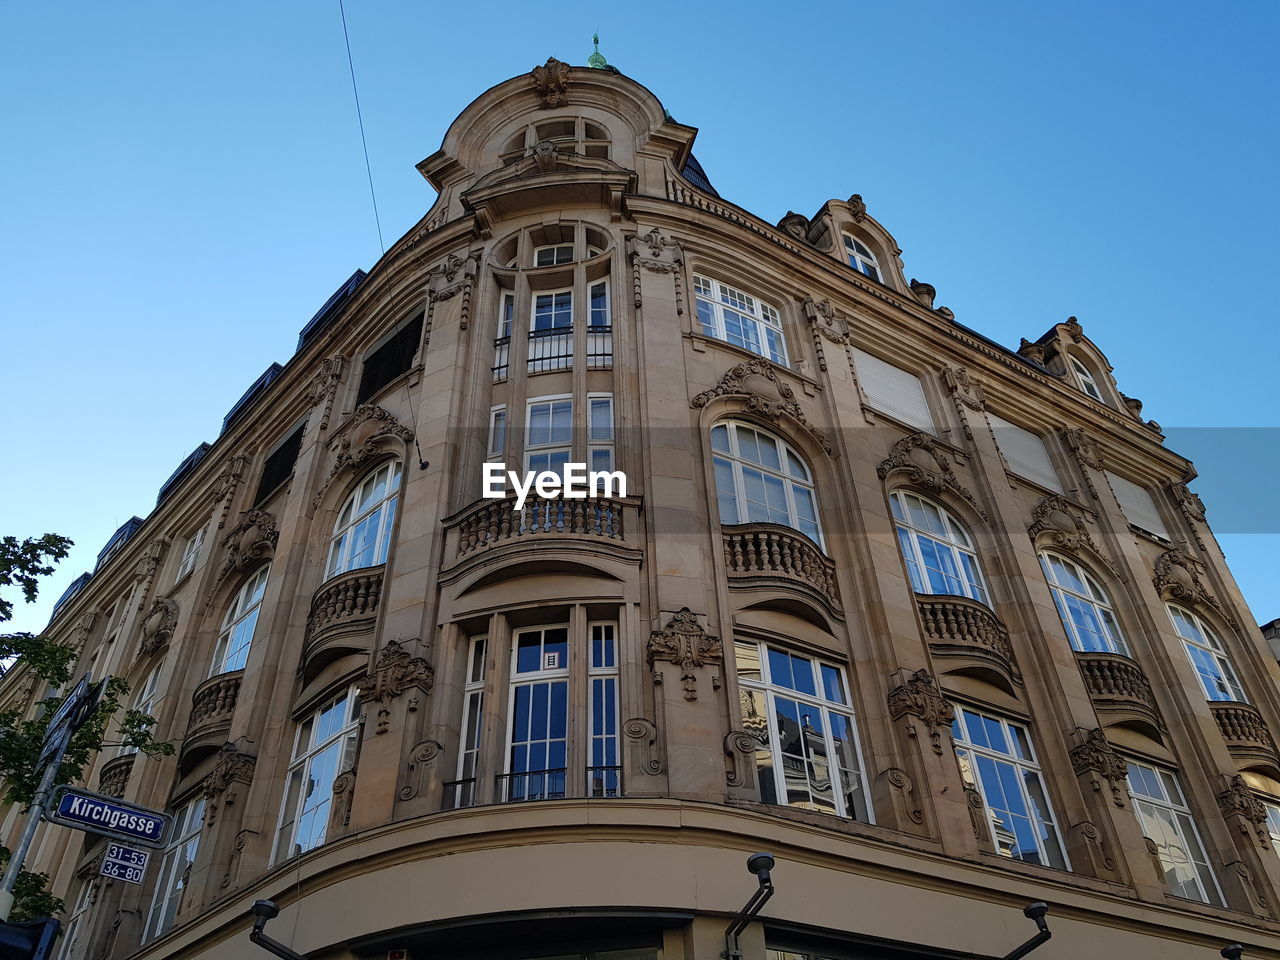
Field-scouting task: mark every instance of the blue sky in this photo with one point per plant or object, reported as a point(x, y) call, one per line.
point(184, 186)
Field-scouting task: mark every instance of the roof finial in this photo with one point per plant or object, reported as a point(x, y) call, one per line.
point(597, 59)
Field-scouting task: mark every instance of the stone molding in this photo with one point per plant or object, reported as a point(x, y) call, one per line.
point(684, 643)
point(915, 696)
point(1095, 758)
point(766, 395)
point(926, 464)
point(394, 671)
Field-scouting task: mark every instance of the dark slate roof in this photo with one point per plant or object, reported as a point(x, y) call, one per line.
point(184, 468)
point(331, 308)
point(242, 405)
point(694, 173)
point(118, 540)
point(78, 584)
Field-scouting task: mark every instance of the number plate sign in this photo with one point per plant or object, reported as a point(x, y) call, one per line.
point(124, 863)
point(82, 810)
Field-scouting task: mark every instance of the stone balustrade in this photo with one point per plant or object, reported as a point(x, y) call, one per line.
point(489, 523)
point(1244, 730)
point(767, 551)
point(1117, 684)
point(344, 602)
point(114, 778)
point(214, 701)
point(958, 626)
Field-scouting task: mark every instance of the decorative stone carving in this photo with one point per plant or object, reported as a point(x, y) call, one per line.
point(224, 487)
point(1061, 523)
point(251, 540)
point(1177, 577)
point(1074, 330)
point(394, 672)
point(324, 386)
point(657, 254)
point(362, 436)
point(420, 757)
point(1190, 503)
point(766, 395)
point(237, 851)
point(220, 786)
point(1032, 351)
point(740, 750)
point(645, 732)
point(1093, 757)
point(1084, 447)
point(145, 570)
point(978, 815)
point(926, 464)
point(825, 321)
point(158, 626)
point(857, 208)
point(1239, 805)
point(1088, 836)
point(684, 643)
point(900, 783)
point(443, 284)
point(344, 792)
point(924, 292)
point(1251, 889)
point(551, 83)
point(796, 225)
point(916, 696)
point(966, 392)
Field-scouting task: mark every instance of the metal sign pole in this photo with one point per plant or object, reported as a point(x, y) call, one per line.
point(29, 831)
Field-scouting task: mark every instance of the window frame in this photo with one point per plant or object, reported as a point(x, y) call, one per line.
point(302, 758)
point(552, 446)
point(387, 506)
point(222, 650)
point(1116, 644)
point(1163, 777)
point(471, 728)
point(144, 701)
point(971, 773)
point(737, 461)
point(541, 783)
point(861, 259)
point(84, 903)
point(958, 549)
point(1085, 379)
point(600, 445)
point(171, 882)
point(771, 689)
point(764, 317)
point(555, 248)
point(1211, 644)
point(557, 335)
point(190, 553)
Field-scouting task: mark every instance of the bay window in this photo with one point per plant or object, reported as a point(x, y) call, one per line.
point(937, 549)
point(761, 479)
point(362, 535)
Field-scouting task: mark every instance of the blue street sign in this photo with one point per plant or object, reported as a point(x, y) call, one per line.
point(124, 863)
point(83, 810)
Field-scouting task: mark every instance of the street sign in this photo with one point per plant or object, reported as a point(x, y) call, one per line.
point(124, 863)
point(75, 709)
point(55, 743)
point(95, 813)
point(69, 704)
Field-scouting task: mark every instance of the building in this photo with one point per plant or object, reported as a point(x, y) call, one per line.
point(936, 623)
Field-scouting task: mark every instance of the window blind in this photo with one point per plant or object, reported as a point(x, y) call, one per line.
point(1024, 452)
point(893, 390)
point(1139, 509)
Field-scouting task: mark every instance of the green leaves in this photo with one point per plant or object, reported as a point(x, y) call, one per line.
point(22, 563)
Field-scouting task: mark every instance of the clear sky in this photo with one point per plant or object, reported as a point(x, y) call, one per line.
point(183, 186)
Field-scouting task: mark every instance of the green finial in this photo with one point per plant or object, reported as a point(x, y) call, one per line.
point(597, 59)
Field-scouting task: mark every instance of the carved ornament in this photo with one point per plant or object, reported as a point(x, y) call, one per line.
point(796, 225)
point(656, 254)
point(1061, 523)
point(926, 464)
point(1084, 447)
point(219, 787)
point(252, 539)
point(684, 643)
point(766, 395)
point(158, 626)
point(420, 757)
point(924, 292)
point(1177, 578)
point(1094, 757)
point(857, 208)
point(225, 486)
point(324, 386)
point(740, 749)
point(361, 437)
point(898, 780)
point(1190, 503)
point(1032, 351)
point(1237, 800)
point(916, 696)
point(393, 672)
point(551, 83)
point(645, 732)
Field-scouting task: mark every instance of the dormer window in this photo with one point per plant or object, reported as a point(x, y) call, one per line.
point(861, 258)
point(570, 134)
point(553, 254)
point(1085, 379)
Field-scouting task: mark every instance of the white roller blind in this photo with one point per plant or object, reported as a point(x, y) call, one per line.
point(893, 390)
point(1024, 452)
point(1139, 509)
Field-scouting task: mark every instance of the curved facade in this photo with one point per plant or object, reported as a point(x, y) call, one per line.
point(936, 623)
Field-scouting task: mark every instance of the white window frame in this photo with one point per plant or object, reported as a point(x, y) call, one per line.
point(497, 430)
point(954, 543)
point(600, 436)
point(553, 445)
point(190, 553)
point(537, 784)
point(175, 866)
point(77, 921)
point(342, 745)
point(1021, 756)
point(604, 745)
point(1272, 807)
point(714, 298)
point(599, 335)
point(1162, 794)
point(502, 338)
point(859, 256)
point(1085, 379)
point(144, 702)
point(556, 249)
point(243, 606)
point(556, 336)
point(341, 543)
point(1210, 645)
point(1095, 600)
point(738, 463)
point(757, 652)
point(116, 617)
point(471, 732)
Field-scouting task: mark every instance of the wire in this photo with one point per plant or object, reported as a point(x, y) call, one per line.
point(360, 117)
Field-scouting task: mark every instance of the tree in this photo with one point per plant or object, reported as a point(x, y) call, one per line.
point(50, 663)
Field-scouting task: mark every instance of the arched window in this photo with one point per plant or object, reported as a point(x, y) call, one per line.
point(938, 551)
point(1085, 378)
point(861, 258)
point(760, 479)
point(1204, 649)
point(232, 650)
point(1083, 606)
point(363, 531)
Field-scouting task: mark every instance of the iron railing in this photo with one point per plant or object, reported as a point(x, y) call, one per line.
point(550, 349)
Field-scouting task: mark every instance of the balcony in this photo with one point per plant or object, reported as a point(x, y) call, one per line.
point(212, 707)
point(114, 778)
point(1118, 687)
point(770, 553)
point(535, 785)
point(487, 527)
point(1245, 732)
point(345, 605)
point(966, 630)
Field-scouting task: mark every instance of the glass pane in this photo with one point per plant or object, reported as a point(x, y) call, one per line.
point(747, 657)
